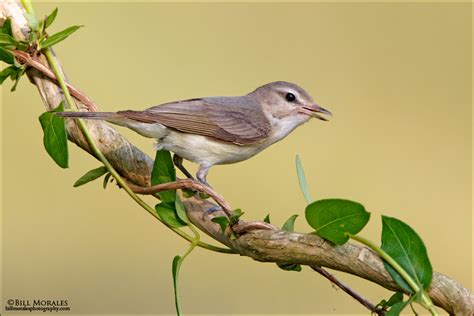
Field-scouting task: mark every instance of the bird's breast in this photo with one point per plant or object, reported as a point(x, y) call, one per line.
point(206, 151)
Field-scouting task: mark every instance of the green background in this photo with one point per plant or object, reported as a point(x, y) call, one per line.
point(396, 76)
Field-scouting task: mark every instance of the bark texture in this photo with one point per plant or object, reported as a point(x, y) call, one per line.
point(261, 245)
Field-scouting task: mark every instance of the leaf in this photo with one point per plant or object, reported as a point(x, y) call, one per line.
point(168, 214)
point(395, 298)
point(90, 176)
point(55, 136)
point(237, 214)
point(302, 180)
point(404, 245)
point(333, 219)
point(7, 27)
point(267, 219)
point(32, 21)
point(203, 196)
point(188, 193)
point(289, 225)
point(223, 221)
point(181, 210)
point(16, 77)
point(58, 37)
point(6, 39)
point(177, 260)
point(106, 180)
point(7, 72)
point(289, 267)
point(50, 18)
point(6, 56)
point(163, 172)
point(396, 309)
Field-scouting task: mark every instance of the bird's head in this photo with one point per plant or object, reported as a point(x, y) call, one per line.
point(282, 99)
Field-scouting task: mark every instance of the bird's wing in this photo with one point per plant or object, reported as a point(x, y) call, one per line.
point(238, 120)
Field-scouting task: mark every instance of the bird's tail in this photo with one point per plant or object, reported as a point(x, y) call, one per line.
point(90, 115)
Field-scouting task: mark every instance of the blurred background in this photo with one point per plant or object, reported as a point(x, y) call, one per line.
point(397, 77)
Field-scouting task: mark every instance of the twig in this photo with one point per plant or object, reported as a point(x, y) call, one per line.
point(25, 59)
point(185, 184)
point(348, 290)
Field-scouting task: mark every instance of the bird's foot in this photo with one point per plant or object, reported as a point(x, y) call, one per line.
point(213, 209)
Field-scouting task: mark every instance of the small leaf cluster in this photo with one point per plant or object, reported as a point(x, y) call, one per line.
point(224, 221)
point(38, 39)
point(7, 44)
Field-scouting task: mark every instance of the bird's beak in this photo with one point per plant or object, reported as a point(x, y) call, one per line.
point(313, 110)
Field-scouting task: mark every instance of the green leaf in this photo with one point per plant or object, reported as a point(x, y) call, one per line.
point(7, 72)
point(177, 260)
point(6, 39)
point(396, 309)
point(289, 225)
point(267, 219)
point(333, 219)
point(395, 298)
point(181, 210)
point(55, 136)
point(32, 20)
point(50, 18)
point(106, 180)
point(16, 77)
point(167, 213)
point(223, 221)
point(289, 267)
point(6, 56)
point(163, 172)
point(302, 180)
point(188, 193)
point(90, 176)
point(58, 37)
point(203, 196)
point(237, 213)
point(404, 245)
point(7, 27)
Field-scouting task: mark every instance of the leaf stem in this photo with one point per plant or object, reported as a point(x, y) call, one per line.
point(97, 152)
point(193, 245)
point(425, 299)
point(28, 7)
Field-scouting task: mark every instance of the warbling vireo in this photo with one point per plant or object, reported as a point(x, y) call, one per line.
point(219, 130)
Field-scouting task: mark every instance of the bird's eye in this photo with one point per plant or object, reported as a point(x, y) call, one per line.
point(290, 97)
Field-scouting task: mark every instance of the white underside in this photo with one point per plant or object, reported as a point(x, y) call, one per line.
point(208, 152)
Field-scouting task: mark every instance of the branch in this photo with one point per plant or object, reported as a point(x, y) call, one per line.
point(264, 245)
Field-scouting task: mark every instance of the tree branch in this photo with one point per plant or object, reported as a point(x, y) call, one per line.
point(264, 245)
point(371, 307)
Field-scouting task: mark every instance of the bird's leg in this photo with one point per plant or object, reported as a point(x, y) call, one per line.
point(202, 174)
point(178, 162)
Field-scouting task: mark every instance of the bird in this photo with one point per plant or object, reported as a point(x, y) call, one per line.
point(219, 130)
